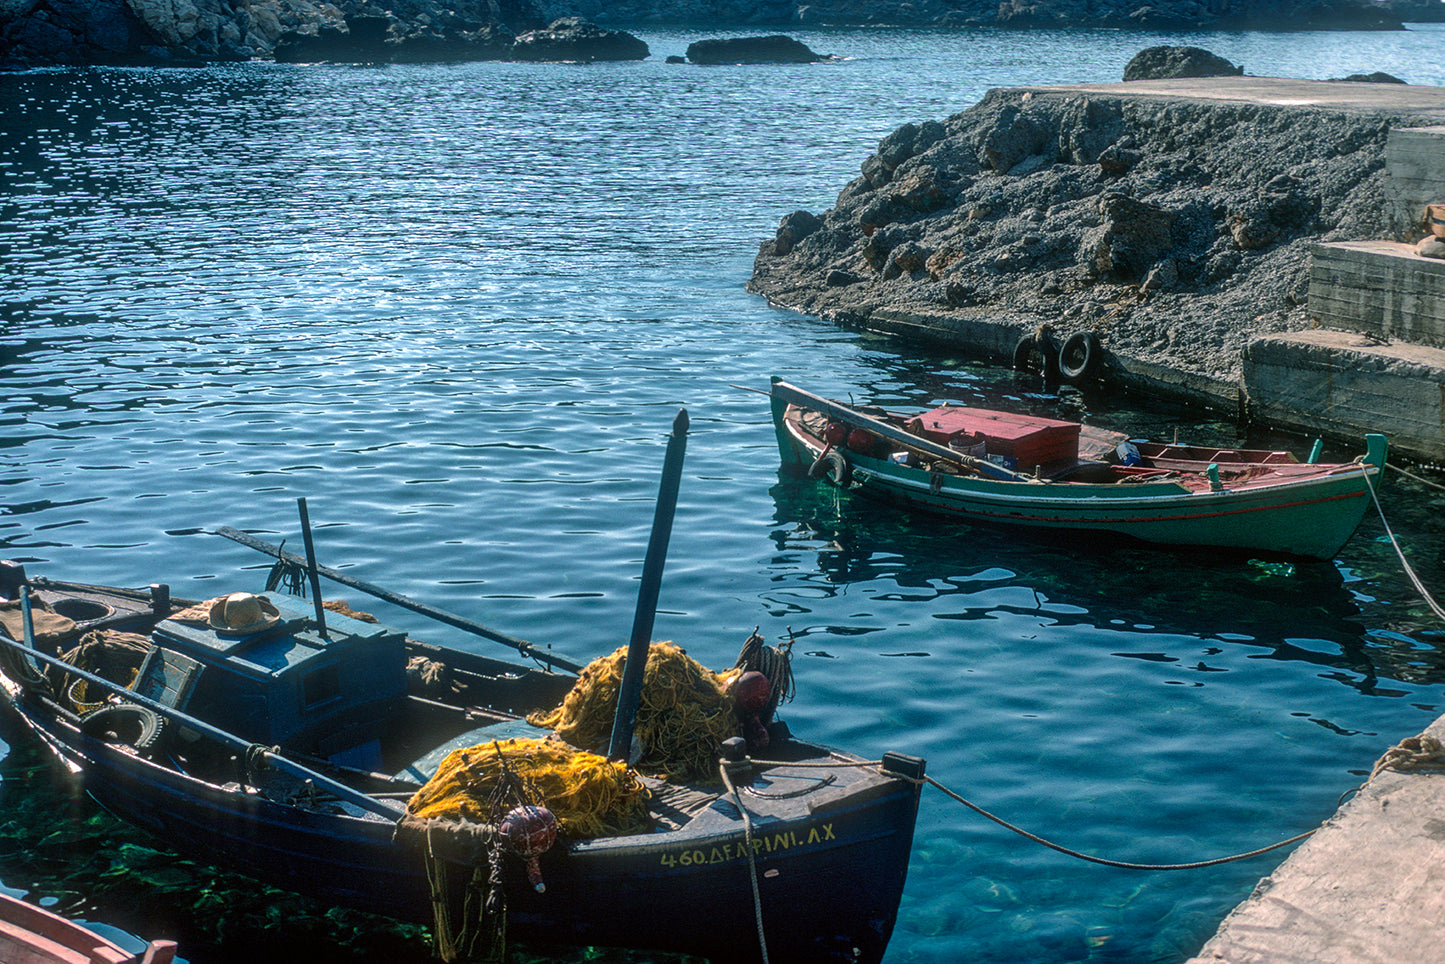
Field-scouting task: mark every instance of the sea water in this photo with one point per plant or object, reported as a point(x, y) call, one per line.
point(456, 307)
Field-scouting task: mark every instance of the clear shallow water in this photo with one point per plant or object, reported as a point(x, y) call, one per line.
point(456, 308)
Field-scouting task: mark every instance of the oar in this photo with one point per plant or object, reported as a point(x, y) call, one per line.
point(791, 393)
point(396, 599)
point(322, 781)
point(629, 693)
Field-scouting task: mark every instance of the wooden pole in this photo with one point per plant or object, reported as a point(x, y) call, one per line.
point(311, 568)
point(629, 693)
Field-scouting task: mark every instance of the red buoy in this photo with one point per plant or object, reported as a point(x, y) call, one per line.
point(752, 692)
point(862, 442)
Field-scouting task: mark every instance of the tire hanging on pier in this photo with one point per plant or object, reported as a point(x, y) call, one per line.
point(1079, 357)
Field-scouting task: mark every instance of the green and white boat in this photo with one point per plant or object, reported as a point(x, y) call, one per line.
point(1002, 468)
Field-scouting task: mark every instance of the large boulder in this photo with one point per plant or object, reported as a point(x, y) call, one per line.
point(1161, 63)
point(575, 39)
point(776, 49)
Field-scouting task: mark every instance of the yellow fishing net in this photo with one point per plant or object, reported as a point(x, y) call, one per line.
point(682, 720)
point(589, 795)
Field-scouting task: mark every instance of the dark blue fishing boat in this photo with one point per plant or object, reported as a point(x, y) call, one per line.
point(285, 741)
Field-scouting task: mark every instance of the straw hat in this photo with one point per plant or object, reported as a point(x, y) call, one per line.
point(241, 613)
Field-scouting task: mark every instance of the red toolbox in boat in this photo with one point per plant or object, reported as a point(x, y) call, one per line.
point(1021, 442)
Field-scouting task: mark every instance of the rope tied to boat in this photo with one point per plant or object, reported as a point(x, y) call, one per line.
point(723, 770)
point(1126, 865)
point(1395, 544)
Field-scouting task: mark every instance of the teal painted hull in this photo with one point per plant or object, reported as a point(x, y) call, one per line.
point(1301, 510)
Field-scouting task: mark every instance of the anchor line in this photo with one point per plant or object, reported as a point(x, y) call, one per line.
point(1395, 544)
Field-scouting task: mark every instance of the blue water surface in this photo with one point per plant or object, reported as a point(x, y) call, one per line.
point(456, 308)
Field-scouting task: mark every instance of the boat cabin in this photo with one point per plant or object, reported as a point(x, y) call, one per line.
point(285, 685)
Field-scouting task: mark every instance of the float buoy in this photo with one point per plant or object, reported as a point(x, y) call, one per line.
point(529, 831)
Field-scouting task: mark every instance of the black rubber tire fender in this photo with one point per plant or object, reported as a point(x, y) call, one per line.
point(1022, 351)
point(128, 724)
point(1079, 357)
point(833, 466)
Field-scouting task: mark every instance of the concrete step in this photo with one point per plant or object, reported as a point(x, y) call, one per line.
point(1342, 384)
point(1382, 288)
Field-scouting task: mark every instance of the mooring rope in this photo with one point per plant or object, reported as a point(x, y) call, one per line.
point(1409, 572)
point(752, 860)
point(1126, 865)
point(1418, 478)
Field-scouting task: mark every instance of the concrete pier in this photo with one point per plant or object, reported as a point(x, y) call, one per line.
point(1367, 888)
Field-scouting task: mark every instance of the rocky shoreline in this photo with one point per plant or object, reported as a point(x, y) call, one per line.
point(187, 32)
point(1172, 228)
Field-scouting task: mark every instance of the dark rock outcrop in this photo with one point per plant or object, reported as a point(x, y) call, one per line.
point(1157, 63)
point(146, 32)
point(42, 32)
point(776, 49)
point(575, 39)
point(1201, 14)
point(1175, 227)
point(380, 40)
point(1378, 77)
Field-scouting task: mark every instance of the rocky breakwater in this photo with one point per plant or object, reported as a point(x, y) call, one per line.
point(1171, 220)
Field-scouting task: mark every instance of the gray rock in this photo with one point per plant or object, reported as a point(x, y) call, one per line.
point(575, 39)
point(776, 49)
point(1158, 63)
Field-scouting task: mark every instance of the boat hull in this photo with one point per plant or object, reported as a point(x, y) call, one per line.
point(1310, 514)
point(687, 892)
point(829, 861)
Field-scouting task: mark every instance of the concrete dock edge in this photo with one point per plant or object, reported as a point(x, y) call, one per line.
point(1368, 887)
